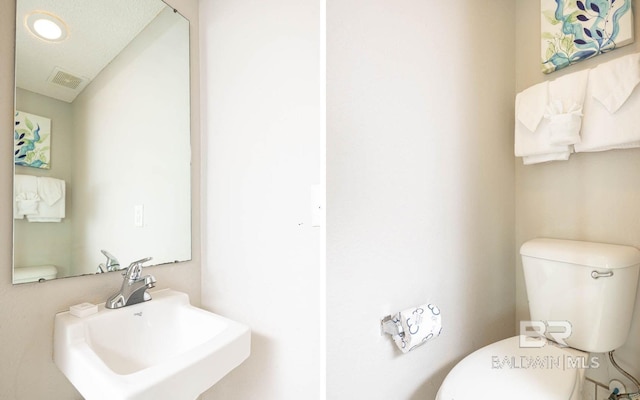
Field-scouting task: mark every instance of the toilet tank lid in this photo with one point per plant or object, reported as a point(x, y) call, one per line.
point(589, 254)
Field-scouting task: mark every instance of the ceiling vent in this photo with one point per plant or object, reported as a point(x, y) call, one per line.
point(66, 79)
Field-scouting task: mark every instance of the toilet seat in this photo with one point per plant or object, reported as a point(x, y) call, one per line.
point(34, 274)
point(505, 370)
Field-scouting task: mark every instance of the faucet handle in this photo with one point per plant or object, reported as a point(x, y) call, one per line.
point(112, 263)
point(143, 260)
point(135, 268)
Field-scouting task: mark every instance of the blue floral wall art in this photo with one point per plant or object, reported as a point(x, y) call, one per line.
point(574, 30)
point(32, 140)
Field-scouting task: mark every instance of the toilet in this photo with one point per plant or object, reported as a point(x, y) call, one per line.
point(34, 274)
point(581, 290)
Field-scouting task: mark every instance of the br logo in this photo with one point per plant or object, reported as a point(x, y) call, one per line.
point(535, 333)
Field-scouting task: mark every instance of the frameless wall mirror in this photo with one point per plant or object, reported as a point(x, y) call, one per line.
point(102, 136)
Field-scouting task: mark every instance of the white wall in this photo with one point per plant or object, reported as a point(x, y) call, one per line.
point(261, 124)
point(420, 186)
point(27, 371)
point(142, 157)
point(593, 196)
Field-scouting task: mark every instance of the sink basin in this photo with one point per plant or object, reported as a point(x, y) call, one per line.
point(160, 349)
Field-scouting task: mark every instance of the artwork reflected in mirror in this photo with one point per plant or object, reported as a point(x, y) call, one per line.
point(102, 136)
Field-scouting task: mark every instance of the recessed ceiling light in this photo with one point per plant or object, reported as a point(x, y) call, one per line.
point(46, 26)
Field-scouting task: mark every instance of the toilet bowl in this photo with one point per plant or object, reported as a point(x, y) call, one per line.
point(34, 274)
point(505, 370)
point(583, 286)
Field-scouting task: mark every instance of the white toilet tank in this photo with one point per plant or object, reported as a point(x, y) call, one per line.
point(590, 285)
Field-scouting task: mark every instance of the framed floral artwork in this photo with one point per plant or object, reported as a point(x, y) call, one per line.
point(32, 140)
point(574, 30)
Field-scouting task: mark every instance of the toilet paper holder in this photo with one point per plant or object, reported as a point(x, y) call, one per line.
point(391, 327)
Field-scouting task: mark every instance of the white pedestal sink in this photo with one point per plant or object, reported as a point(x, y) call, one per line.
point(160, 349)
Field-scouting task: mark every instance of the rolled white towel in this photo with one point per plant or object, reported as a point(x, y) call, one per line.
point(565, 121)
point(27, 203)
point(552, 139)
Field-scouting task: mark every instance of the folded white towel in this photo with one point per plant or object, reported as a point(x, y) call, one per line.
point(51, 213)
point(601, 129)
point(613, 82)
point(25, 192)
point(35, 218)
point(50, 189)
point(25, 183)
point(541, 158)
point(569, 89)
point(531, 104)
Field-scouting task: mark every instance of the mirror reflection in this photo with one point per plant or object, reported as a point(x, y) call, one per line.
point(102, 136)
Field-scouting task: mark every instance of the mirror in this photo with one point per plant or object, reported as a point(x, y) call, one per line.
point(102, 136)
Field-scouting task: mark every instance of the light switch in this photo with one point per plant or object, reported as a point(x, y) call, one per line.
point(138, 215)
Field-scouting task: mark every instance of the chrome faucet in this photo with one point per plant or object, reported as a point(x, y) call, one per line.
point(112, 263)
point(134, 287)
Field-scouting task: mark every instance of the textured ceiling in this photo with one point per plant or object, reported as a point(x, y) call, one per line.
point(98, 31)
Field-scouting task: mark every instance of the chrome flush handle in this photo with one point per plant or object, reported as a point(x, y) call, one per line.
point(596, 274)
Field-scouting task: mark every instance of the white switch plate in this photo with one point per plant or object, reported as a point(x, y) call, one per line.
point(138, 215)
